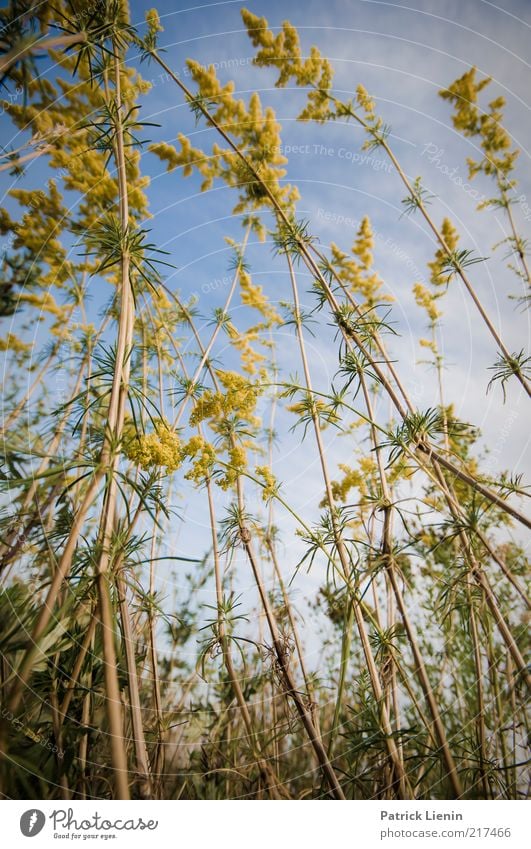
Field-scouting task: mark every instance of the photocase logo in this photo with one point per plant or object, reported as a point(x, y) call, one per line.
point(32, 822)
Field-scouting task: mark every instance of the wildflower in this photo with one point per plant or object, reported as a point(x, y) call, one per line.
point(162, 447)
point(253, 296)
point(352, 478)
point(153, 21)
point(494, 141)
point(204, 456)
point(451, 238)
point(357, 273)
point(256, 133)
point(426, 300)
point(284, 52)
point(237, 461)
point(239, 399)
point(427, 343)
point(365, 101)
point(13, 343)
point(268, 480)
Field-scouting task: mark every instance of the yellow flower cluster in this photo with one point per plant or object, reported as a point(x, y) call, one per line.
point(430, 344)
point(364, 243)
point(365, 101)
point(14, 344)
point(59, 115)
point(153, 21)
point(357, 275)
point(364, 478)
point(236, 465)
point(494, 140)
point(239, 400)
point(463, 94)
point(39, 230)
point(162, 447)
point(323, 411)
point(352, 478)
point(204, 454)
point(256, 133)
point(451, 237)
point(253, 296)
point(270, 485)
point(283, 51)
point(45, 302)
point(425, 299)
point(250, 357)
point(72, 105)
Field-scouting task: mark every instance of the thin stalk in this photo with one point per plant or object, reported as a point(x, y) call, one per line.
point(289, 682)
point(517, 240)
point(387, 552)
point(272, 780)
point(346, 566)
point(480, 704)
point(481, 579)
point(142, 760)
point(153, 655)
point(268, 772)
point(110, 459)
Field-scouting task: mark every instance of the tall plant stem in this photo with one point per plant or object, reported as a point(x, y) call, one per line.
point(390, 565)
point(269, 541)
point(347, 568)
point(271, 779)
point(517, 240)
point(159, 759)
point(142, 760)
point(110, 459)
point(280, 656)
point(481, 579)
point(480, 696)
point(292, 621)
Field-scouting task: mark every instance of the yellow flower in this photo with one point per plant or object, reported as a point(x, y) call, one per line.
point(451, 237)
point(13, 343)
point(161, 448)
point(204, 456)
point(426, 300)
point(365, 101)
point(270, 485)
point(239, 399)
point(153, 21)
point(253, 296)
point(283, 52)
point(495, 142)
point(236, 465)
point(357, 273)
